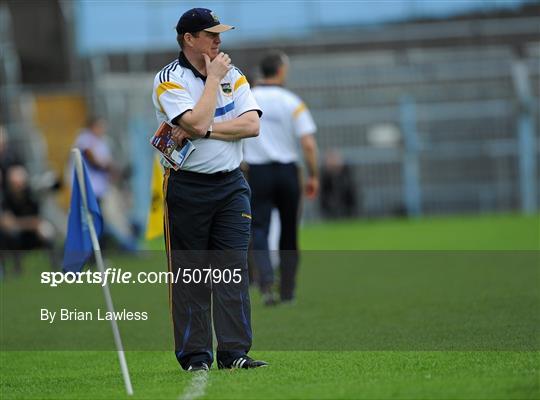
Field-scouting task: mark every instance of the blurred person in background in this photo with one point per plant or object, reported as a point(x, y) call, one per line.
point(97, 154)
point(274, 176)
point(338, 192)
point(8, 158)
point(102, 172)
point(21, 226)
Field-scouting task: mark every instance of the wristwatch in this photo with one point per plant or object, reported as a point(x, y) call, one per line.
point(208, 132)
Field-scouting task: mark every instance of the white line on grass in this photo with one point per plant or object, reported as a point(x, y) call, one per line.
point(196, 387)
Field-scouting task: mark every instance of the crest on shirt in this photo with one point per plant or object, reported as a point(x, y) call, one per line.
point(226, 88)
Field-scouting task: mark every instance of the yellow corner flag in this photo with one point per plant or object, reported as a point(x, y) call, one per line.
point(154, 225)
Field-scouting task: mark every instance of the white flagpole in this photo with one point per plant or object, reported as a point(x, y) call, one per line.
point(101, 268)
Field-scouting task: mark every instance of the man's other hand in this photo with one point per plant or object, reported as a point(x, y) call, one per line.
point(311, 187)
point(179, 135)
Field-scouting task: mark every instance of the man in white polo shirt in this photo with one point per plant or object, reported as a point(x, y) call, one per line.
point(207, 207)
point(273, 173)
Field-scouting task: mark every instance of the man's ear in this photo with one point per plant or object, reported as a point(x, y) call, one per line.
point(188, 39)
point(282, 72)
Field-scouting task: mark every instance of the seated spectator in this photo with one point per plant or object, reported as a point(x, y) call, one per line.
point(8, 158)
point(338, 191)
point(21, 227)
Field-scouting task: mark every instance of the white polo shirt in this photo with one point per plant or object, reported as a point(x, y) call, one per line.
point(179, 86)
point(285, 119)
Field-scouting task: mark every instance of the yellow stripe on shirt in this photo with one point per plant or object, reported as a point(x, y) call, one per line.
point(298, 110)
point(239, 82)
point(163, 87)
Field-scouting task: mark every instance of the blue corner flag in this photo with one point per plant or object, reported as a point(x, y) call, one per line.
point(78, 247)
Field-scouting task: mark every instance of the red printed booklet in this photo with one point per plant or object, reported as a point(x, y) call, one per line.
point(175, 154)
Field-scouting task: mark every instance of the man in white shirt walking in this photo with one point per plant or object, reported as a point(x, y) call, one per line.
point(274, 175)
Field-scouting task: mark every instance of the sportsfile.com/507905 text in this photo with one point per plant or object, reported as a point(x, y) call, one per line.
point(116, 275)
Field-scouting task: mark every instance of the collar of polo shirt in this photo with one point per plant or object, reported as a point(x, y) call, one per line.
point(184, 62)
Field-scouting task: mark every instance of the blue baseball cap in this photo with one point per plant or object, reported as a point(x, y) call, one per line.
point(200, 19)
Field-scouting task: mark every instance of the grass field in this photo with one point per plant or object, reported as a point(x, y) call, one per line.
point(435, 320)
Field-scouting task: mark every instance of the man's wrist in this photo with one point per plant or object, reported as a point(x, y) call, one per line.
point(214, 80)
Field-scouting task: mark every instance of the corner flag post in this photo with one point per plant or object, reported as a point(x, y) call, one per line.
point(101, 268)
